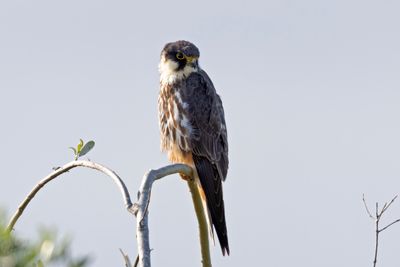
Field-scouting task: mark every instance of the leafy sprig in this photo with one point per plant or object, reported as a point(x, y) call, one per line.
point(82, 149)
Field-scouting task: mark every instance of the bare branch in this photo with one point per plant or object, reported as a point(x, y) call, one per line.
point(57, 172)
point(378, 217)
point(385, 207)
point(136, 264)
point(140, 209)
point(126, 259)
point(366, 208)
point(376, 242)
point(390, 224)
point(142, 230)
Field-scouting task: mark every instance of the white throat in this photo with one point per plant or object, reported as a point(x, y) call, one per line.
point(169, 73)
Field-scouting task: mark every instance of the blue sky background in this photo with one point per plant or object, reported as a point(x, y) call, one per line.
point(311, 91)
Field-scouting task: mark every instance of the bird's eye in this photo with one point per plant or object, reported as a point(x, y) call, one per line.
point(179, 56)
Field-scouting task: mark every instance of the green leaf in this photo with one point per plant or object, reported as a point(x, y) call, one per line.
point(83, 261)
point(86, 148)
point(79, 147)
point(73, 149)
point(18, 252)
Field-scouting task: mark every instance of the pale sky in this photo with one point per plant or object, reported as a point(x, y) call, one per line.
point(311, 91)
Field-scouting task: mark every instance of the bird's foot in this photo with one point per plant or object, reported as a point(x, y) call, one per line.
point(186, 178)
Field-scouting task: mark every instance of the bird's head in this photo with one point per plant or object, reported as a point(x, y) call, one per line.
point(178, 60)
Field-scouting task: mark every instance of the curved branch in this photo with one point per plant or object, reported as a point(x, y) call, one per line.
point(141, 209)
point(57, 172)
point(203, 224)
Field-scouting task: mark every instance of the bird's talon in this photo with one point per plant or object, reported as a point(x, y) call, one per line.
point(186, 178)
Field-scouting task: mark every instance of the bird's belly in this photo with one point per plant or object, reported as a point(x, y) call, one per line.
point(177, 155)
point(174, 125)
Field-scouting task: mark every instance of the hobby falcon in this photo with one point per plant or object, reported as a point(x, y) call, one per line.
point(193, 129)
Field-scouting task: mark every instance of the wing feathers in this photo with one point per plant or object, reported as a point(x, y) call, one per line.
point(208, 144)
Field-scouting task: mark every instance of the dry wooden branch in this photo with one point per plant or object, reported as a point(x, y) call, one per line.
point(141, 208)
point(57, 172)
point(377, 219)
point(126, 258)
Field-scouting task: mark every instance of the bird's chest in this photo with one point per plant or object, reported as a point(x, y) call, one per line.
point(174, 119)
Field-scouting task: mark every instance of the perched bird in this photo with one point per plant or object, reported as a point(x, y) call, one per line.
point(193, 130)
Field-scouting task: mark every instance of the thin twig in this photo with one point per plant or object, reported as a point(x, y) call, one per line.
point(377, 219)
point(366, 208)
point(136, 264)
point(385, 207)
point(57, 172)
point(376, 240)
point(390, 224)
point(126, 259)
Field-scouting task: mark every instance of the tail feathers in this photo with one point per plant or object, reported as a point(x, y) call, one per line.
point(223, 240)
point(211, 184)
point(225, 247)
